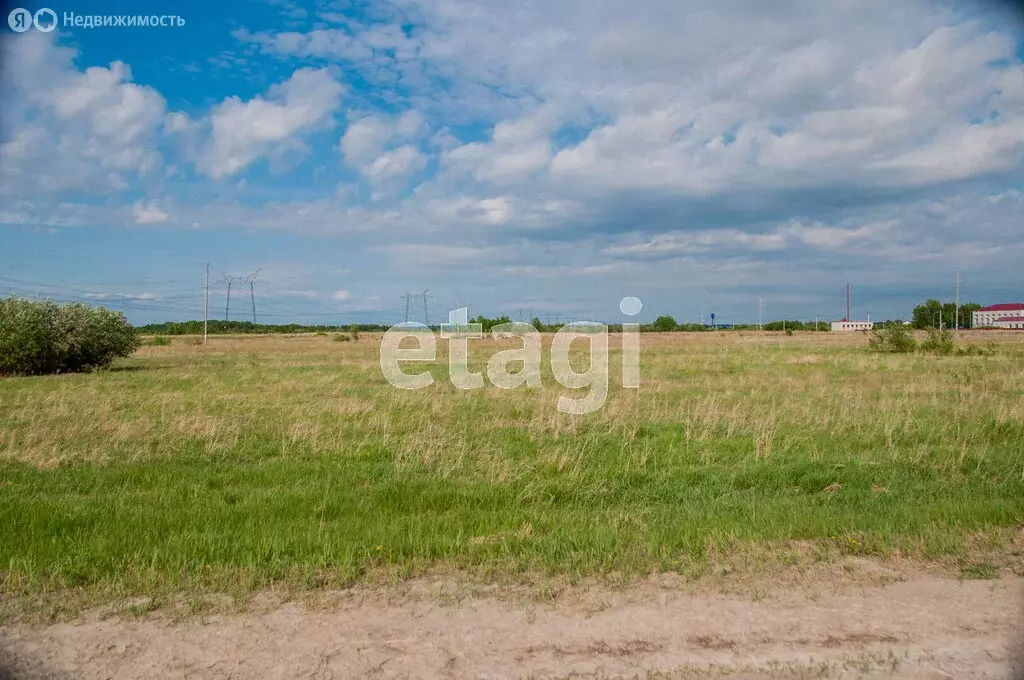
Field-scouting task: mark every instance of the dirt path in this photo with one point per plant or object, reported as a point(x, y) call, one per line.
point(925, 627)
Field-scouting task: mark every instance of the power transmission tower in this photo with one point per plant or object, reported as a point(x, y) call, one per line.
point(408, 298)
point(227, 305)
point(250, 278)
point(760, 313)
point(252, 295)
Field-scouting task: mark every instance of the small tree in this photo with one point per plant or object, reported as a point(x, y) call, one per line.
point(664, 324)
point(353, 330)
point(928, 315)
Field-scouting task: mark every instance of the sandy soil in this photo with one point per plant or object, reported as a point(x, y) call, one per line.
point(923, 627)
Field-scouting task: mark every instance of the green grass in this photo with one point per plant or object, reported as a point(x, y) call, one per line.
point(263, 461)
point(982, 571)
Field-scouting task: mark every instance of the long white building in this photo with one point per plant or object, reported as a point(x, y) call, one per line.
point(852, 325)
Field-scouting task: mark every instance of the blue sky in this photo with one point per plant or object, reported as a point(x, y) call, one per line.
point(547, 157)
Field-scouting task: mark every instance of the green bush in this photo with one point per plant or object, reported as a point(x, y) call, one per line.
point(664, 324)
point(976, 350)
point(938, 342)
point(159, 341)
point(893, 339)
point(41, 337)
point(341, 337)
point(353, 330)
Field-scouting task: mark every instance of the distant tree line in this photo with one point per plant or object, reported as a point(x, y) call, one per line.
point(248, 328)
point(488, 324)
point(928, 315)
point(667, 324)
point(935, 314)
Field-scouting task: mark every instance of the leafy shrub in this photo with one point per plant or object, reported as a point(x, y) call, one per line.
point(976, 350)
point(938, 342)
point(321, 334)
point(341, 337)
point(789, 331)
point(353, 330)
point(41, 337)
point(893, 339)
point(159, 341)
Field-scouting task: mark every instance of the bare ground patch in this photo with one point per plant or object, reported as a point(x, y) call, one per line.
point(924, 626)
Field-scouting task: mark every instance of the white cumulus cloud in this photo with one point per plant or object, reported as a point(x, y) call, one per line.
point(245, 131)
point(148, 213)
point(66, 129)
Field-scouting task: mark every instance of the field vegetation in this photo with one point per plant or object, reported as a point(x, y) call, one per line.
point(289, 462)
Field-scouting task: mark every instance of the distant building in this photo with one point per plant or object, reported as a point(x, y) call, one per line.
point(852, 325)
point(1000, 316)
point(1010, 322)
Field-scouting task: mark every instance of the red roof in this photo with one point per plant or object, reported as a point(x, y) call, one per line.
point(1010, 307)
point(1011, 318)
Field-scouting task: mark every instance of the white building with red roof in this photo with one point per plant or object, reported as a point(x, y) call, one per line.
point(1010, 315)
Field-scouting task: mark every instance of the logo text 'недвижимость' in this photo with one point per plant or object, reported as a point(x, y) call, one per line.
point(45, 20)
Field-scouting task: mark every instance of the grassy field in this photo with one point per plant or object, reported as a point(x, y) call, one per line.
point(290, 461)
